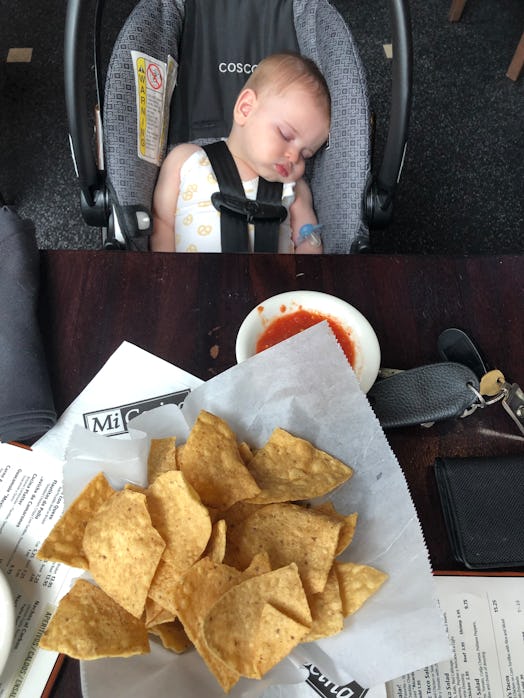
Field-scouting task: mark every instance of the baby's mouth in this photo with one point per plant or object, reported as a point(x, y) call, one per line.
point(282, 170)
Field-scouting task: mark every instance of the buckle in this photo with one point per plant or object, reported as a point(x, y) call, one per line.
point(251, 210)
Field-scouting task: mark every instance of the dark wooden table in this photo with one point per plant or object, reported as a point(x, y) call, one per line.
point(180, 306)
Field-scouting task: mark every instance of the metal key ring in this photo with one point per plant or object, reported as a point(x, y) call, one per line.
point(482, 402)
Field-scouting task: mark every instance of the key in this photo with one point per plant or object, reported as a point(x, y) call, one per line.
point(513, 403)
point(388, 372)
point(492, 383)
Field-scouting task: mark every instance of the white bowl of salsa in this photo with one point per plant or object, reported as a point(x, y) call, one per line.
point(286, 314)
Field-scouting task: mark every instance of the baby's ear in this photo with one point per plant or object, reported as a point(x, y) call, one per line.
point(243, 106)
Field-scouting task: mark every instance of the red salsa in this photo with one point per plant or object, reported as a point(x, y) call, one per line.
point(288, 325)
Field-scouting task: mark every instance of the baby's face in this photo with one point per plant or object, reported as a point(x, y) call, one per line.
point(283, 131)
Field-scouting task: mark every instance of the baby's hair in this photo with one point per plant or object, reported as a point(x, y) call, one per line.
point(281, 70)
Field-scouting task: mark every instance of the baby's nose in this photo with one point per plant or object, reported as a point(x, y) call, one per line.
point(293, 155)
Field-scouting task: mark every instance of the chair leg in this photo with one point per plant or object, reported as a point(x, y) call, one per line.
point(517, 62)
point(456, 10)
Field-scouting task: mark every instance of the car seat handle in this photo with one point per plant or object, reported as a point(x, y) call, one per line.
point(94, 200)
point(380, 190)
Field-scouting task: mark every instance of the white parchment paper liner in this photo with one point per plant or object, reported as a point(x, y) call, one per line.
point(306, 386)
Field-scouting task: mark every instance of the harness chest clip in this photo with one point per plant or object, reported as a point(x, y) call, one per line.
point(249, 209)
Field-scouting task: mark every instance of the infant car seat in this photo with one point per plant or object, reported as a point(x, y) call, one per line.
point(208, 48)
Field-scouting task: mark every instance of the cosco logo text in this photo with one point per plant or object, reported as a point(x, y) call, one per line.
point(246, 68)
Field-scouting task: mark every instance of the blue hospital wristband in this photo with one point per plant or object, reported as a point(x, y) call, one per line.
point(311, 233)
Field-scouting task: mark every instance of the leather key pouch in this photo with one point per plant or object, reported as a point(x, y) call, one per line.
point(430, 393)
point(483, 504)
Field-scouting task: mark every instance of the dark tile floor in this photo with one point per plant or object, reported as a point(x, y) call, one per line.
point(462, 183)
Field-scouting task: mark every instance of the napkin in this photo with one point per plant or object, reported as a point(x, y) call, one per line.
point(26, 401)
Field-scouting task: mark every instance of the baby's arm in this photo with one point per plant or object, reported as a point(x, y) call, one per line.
point(165, 198)
point(301, 212)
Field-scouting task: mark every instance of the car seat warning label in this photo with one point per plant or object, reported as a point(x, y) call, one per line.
point(155, 82)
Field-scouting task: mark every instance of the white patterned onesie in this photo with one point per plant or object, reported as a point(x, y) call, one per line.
point(197, 221)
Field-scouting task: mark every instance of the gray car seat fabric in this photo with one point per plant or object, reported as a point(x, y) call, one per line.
point(154, 28)
point(337, 175)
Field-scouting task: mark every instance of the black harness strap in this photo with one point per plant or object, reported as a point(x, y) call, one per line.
point(233, 225)
point(236, 210)
point(267, 230)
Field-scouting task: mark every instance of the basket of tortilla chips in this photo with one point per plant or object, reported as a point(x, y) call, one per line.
point(221, 552)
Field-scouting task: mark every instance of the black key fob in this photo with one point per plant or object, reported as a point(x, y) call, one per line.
point(455, 345)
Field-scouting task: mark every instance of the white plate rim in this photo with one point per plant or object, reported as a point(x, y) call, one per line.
point(362, 334)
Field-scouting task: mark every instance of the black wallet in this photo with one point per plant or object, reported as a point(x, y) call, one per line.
point(483, 504)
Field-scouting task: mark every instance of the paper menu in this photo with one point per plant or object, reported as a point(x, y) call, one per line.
point(484, 618)
point(30, 505)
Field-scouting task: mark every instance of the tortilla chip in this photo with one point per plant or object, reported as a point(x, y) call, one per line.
point(288, 533)
point(88, 624)
point(245, 451)
point(212, 463)
point(277, 635)
point(123, 549)
point(64, 542)
point(135, 488)
point(197, 592)
point(173, 636)
point(357, 584)
point(161, 458)
point(326, 610)
point(155, 614)
point(348, 528)
point(163, 586)
point(260, 564)
point(180, 517)
point(288, 468)
point(240, 511)
point(259, 621)
point(216, 548)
